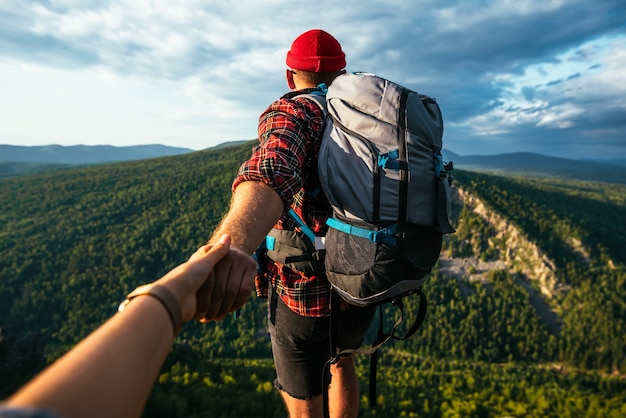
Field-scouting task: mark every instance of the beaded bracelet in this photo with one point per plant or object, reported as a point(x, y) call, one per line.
point(164, 296)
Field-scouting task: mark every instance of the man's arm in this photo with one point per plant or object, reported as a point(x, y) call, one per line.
point(255, 207)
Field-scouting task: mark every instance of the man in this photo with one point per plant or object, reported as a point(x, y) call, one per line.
point(282, 174)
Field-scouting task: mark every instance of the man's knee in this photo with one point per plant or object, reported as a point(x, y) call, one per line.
point(302, 407)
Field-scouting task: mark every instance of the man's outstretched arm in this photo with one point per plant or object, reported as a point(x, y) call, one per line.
point(255, 207)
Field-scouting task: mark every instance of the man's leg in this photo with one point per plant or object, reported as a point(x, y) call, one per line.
point(300, 348)
point(300, 408)
point(343, 395)
point(343, 392)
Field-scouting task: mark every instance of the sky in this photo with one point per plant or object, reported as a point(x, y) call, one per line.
point(542, 76)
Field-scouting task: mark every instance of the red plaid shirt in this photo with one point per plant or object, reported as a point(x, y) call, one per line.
point(290, 133)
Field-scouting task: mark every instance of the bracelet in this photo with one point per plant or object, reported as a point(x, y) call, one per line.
point(164, 296)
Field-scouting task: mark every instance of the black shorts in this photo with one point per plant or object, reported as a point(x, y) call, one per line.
point(301, 347)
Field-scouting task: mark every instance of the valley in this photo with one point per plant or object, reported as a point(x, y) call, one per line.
point(534, 276)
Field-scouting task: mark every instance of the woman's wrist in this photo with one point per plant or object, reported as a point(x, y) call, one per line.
point(165, 297)
point(179, 283)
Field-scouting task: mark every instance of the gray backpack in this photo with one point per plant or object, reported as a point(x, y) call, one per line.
point(380, 166)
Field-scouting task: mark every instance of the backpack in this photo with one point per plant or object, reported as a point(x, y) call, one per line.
point(381, 168)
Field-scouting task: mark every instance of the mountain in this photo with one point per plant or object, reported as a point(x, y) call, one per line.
point(20, 160)
point(525, 309)
point(611, 161)
point(231, 143)
point(84, 154)
point(541, 165)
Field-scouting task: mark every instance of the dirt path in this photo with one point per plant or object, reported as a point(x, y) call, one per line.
point(472, 268)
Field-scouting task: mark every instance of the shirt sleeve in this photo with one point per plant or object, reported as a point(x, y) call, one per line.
point(284, 136)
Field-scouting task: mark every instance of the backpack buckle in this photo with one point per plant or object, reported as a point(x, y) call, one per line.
point(389, 160)
point(385, 236)
point(443, 169)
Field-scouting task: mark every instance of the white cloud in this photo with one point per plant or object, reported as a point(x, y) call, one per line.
point(464, 16)
point(567, 86)
point(198, 72)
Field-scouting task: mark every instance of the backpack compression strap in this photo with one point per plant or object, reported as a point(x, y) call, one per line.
point(386, 235)
point(403, 160)
point(443, 174)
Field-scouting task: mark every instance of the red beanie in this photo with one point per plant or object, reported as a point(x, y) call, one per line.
point(316, 51)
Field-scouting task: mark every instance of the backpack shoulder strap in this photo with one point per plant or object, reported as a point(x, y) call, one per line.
point(318, 96)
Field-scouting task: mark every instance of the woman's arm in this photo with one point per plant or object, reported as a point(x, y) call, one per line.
point(111, 372)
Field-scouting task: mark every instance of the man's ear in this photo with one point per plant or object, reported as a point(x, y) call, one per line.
point(290, 82)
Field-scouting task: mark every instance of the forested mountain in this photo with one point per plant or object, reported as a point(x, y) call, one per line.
point(18, 160)
point(526, 312)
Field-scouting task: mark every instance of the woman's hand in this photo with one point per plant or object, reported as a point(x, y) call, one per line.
point(215, 281)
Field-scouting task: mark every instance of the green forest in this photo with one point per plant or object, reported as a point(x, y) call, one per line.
point(75, 241)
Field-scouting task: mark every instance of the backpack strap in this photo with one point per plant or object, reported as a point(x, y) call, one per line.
point(404, 169)
point(386, 235)
point(383, 338)
point(443, 174)
point(303, 226)
point(318, 96)
point(373, 350)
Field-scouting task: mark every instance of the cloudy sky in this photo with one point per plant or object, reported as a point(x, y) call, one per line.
point(545, 76)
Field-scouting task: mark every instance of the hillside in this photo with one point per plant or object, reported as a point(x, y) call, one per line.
point(526, 309)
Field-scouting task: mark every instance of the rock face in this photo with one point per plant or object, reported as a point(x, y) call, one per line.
point(516, 252)
point(512, 251)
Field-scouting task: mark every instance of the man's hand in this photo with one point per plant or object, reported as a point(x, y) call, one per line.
point(228, 288)
point(216, 280)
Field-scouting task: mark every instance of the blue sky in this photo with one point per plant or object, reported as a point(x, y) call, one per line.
point(545, 76)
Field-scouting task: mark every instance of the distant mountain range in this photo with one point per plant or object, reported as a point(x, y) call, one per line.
point(84, 154)
point(16, 160)
point(537, 164)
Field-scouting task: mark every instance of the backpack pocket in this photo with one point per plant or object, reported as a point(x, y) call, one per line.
point(294, 250)
point(365, 272)
point(421, 245)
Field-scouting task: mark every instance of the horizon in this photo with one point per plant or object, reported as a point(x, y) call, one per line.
point(444, 150)
point(530, 76)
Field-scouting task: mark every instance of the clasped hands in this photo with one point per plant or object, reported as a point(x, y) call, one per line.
point(215, 281)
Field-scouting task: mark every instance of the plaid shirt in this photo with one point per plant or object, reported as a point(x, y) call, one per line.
point(290, 132)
